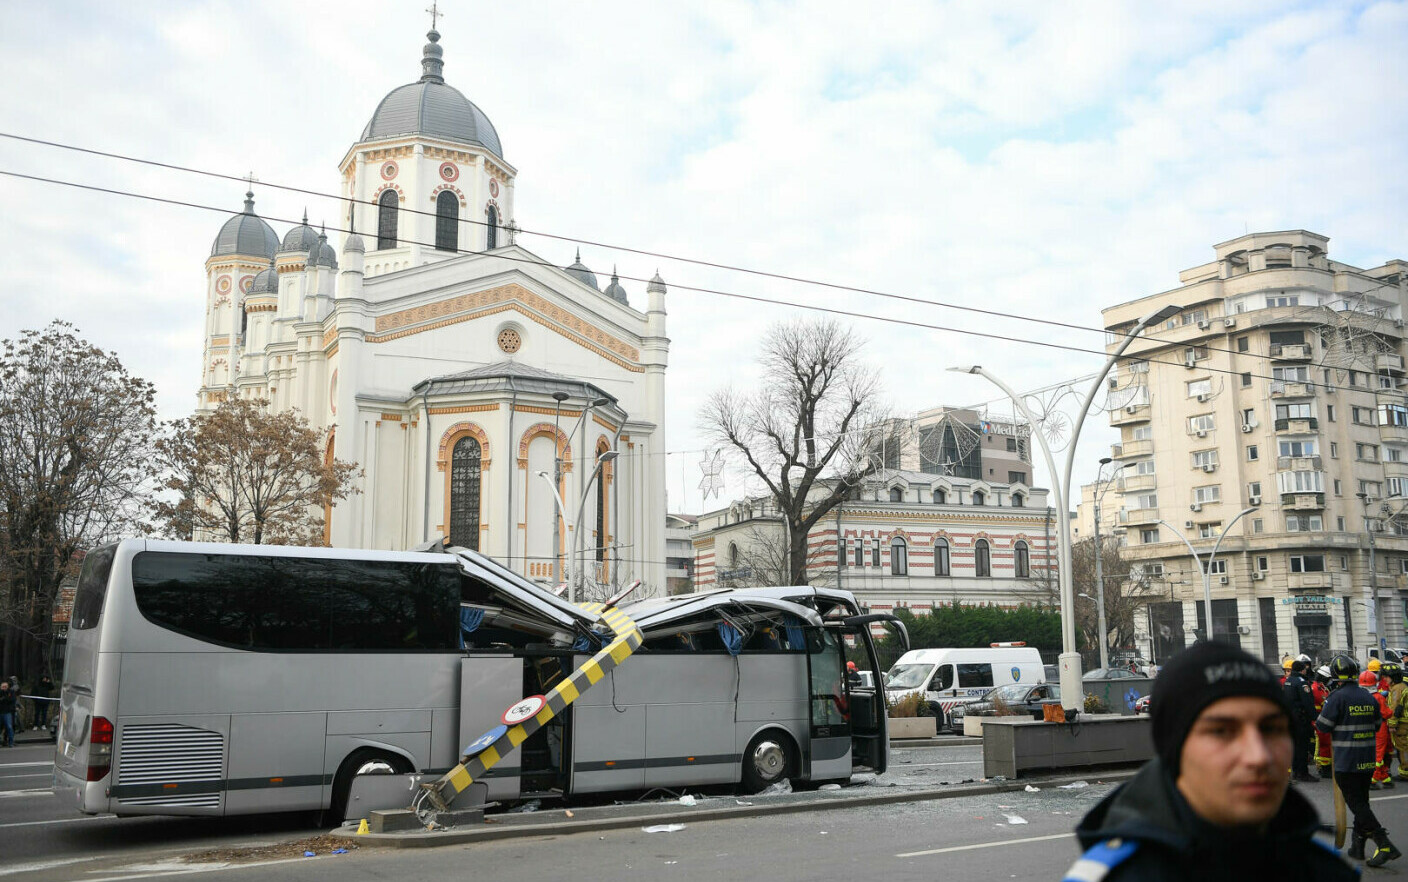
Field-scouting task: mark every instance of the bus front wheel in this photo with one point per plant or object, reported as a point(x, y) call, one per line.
point(363, 761)
point(768, 759)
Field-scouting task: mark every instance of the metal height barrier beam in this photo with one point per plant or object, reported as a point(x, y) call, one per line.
point(472, 766)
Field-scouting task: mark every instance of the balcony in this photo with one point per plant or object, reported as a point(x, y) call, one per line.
point(1137, 516)
point(1292, 390)
point(1127, 449)
point(1303, 501)
point(1130, 414)
point(1291, 351)
point(1395, 469)
point(1140, 482)
point(1310, 580)
point(1301, 426)
point(1297, 463)
point(1393, 433)
point(1392, 363)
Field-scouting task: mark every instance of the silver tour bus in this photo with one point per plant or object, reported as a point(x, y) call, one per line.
point(215, 679)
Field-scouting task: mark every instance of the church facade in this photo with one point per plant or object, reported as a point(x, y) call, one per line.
point(487, 395)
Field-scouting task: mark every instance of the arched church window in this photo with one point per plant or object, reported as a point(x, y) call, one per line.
point(896, 494)
point(982, 559)
point(491, 229)
point(899, 557)
point(1022, 560)
point(447, 221)
point(386, 220)
point(941, 557)
point(465, 475)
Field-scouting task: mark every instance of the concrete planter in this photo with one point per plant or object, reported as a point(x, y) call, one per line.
point(912, 727)
point(973, 726)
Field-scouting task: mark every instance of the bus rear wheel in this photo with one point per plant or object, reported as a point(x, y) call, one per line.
point(768, 759)
point(363, 761)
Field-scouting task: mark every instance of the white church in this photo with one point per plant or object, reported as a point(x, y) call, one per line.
point(479, 387)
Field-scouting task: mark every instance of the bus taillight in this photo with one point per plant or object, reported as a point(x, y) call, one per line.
point(100, 749)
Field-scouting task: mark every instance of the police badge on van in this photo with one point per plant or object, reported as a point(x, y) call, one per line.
point(1016, 674)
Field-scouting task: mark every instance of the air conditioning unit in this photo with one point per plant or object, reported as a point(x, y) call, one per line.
point(1209, 467)
point(1247, 427)
point(1130, 408)
point(1222, 580)
point(1204, 325)
point(1190, 362)
point(1259, 575)
point(1254, 500)
point(1188, 525)
point(1229, 323)
point(1203, 396)
point(1197, 506)
point(1329, 388)
point(1201, 433)
point(1398, 323)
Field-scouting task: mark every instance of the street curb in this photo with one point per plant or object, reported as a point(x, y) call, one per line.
point(668, 813)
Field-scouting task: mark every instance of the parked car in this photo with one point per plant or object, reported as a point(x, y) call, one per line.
point(1141, 705)
point(1110, 674)
point(1016, 698)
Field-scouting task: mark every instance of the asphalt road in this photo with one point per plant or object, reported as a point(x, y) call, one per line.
point(1017, 835)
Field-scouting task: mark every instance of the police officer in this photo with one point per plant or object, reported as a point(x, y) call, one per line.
point(1352, 716)
point(1215, 803)
point(1302, 704)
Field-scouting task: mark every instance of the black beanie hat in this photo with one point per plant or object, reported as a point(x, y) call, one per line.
point(1194, 679)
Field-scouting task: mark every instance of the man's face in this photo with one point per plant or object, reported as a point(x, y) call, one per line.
point(1236, 762)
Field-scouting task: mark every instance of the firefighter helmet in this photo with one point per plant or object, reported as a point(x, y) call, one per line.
point(1323, 672)
point(1374, 664)
point(1287, 663)
point(1392, 670)
point(1368, 678)
point(1343, 668)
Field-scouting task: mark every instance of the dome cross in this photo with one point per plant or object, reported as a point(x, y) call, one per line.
point(435, 15)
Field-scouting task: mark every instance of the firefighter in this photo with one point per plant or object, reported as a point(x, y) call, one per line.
point(1369, 680)
point(1320, 690)
point(1286, 664)
point(1349, 716)
point(1398, 715)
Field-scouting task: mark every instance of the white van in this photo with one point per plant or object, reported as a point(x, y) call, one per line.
point(946, 677)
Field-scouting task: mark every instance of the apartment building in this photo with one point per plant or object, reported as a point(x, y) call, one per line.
point(1270, 409)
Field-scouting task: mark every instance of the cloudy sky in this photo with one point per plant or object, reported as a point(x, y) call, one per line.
point(1037, 159)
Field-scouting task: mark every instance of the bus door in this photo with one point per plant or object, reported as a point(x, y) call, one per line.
point(829, 748)
point(865, 684)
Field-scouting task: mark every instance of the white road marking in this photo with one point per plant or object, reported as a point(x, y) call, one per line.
point(1001, 844)
point(17, 777)
point(1383, 798)
point(10, 794)
point(898, 767)
point(57, 821)
point(191, 870)
point(4, 766)
point(42, 865)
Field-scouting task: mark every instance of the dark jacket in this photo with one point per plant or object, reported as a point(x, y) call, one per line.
point(1352, 717)
point(1300, 700)
point(1174, 843)
point(7, 701)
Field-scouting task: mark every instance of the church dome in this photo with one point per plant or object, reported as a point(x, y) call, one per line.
point(579, 271)
point(301, 237)
point(266, 282)
point(430, 107)
point(246, 233)
point(321, 253)
point(615, 291)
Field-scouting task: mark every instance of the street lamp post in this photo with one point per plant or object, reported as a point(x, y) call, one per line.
point(559, 397)
point(1099, 565)
point(1070, 665)
point(1207, 568)
point(1372, 609)
point(574, 570)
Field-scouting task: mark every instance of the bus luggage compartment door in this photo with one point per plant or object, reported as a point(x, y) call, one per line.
point(489, 685)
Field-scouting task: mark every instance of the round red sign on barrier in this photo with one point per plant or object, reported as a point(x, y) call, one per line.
point(524, 710)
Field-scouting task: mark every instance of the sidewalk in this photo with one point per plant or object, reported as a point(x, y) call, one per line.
point(588, 819)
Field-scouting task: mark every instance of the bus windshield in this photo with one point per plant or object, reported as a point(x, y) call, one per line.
point(907, 676)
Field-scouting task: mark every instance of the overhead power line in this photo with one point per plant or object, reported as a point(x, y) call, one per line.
point(718, 292)
point(834, 286)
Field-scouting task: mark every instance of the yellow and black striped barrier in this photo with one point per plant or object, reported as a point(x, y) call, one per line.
point(442, 793)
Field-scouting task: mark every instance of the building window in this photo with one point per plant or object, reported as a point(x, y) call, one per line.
point(875, 553)
point(465, 477)
point(1018, 500)
point(1215, 567)
point(1149, 535)
point(1361, 416)
point(447, 221)
point(1203, 459)
point(1256, 525)
point(1012, 444)
point(899, 557)
point(386, 220)
point(1252, 453)
point(1263, 563)
point(979, 498)
point(1199, 387)
point(1366, 452)
point(1254, 490)
point(841, 557)
point(982, 559)
point(1305, 447)
point(491, 229)
point(1022, 560)
point(1246, 379)
point(860, 553)
point(940, 496)
point(1307, 563)
point(1304, 524)
point(1207, 494)
point(896, 494)
point(941, 557)
point(1203, 423)
point(1016, 477)
point(1243, 344)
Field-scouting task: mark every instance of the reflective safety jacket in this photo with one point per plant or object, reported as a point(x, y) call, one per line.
point(1320, 693)
point(1398, 704)
point(1352, 716)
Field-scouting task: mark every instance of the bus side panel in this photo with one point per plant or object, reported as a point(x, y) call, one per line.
point(608, 746)
point(274, 760)
point(773, 688)
point(689, 729)
point(490, 685)
point(170, 765)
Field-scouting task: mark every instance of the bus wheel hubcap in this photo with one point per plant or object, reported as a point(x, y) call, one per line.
point(769, 759)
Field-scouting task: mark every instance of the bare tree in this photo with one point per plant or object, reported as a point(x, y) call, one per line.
point(808, 430)
point(240, 474)
point(1128, 589)
point(75, 454)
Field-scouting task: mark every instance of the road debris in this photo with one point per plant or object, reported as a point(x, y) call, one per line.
point(1014, 820)
point(688, 800)
point(1030, 789)
point(663, 828)
point(1075, 785)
